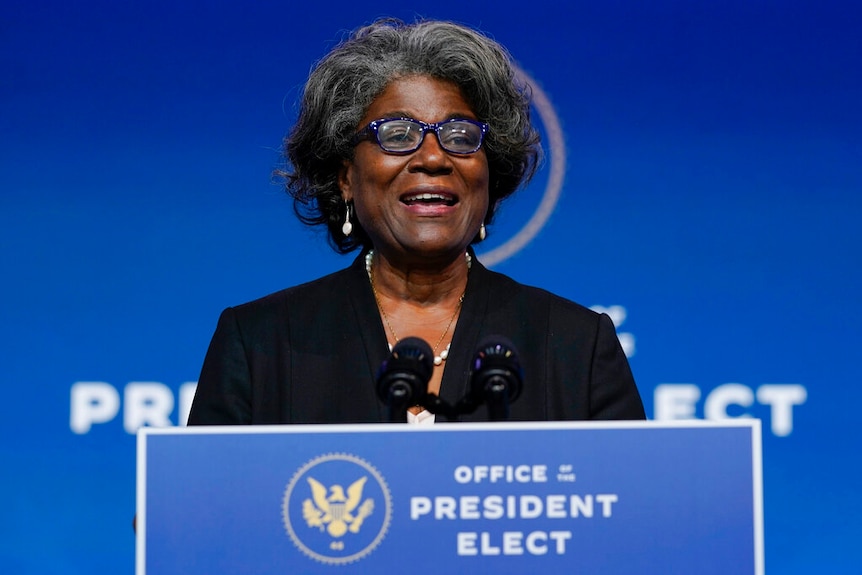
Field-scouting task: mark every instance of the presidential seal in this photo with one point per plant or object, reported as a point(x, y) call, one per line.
point(337, 508)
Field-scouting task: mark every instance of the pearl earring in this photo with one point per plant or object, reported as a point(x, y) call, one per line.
point(482, 233)
point(347, 228)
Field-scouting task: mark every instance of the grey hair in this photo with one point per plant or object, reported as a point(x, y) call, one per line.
point(346, 81)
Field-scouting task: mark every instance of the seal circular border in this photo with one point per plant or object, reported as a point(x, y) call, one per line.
point(384, 528)
point(554, 187)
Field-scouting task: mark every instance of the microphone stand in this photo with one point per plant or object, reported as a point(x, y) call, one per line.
point(496, 394)
point(397, 402)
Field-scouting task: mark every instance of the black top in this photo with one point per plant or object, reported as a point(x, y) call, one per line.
point(310, 354)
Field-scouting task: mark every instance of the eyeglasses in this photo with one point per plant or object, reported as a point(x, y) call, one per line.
point(405, 135)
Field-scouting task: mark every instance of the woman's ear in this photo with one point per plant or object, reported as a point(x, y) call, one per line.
point(345, 180)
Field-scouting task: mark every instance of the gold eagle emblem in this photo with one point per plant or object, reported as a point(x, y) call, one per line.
point(335, 512)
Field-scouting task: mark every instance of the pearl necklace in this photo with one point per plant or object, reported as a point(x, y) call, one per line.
point(438, 359)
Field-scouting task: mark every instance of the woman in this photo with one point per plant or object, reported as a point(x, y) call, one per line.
point(408, 138)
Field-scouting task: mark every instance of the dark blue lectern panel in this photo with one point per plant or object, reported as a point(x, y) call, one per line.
point(525, 499)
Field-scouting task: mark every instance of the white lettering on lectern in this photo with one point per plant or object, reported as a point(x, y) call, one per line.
point(512, 543)
point(470, 507)
point(501, 474)
point(498, 511)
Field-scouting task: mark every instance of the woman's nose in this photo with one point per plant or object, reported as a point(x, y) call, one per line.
point(430, 155)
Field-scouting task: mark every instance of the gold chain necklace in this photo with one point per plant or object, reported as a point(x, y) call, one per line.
point(438, 359)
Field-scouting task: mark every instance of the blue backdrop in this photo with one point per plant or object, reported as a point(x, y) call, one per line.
point(715, 147)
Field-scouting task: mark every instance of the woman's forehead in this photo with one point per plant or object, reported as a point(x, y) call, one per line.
point(421, 97)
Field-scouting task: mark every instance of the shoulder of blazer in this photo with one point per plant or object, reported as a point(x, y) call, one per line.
point(318, 291)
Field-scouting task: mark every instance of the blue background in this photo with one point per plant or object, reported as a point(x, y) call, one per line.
point(714, 164)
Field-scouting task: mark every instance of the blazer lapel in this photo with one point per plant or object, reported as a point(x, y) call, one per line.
point(466, 336)
point(369, 325)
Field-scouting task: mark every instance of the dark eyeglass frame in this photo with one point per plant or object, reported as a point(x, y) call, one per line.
point(369, 132)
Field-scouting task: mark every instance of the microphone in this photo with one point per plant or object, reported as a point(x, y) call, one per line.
point(402, 380)
point(496, 376)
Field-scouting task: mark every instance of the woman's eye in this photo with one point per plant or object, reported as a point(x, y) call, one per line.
point(398, 134)
point(459, 138)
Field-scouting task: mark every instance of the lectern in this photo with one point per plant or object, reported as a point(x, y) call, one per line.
point(504, 498)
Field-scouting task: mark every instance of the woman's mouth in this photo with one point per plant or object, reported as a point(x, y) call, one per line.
point(429, 198)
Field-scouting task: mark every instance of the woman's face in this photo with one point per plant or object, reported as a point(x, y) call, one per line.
point(429, 202)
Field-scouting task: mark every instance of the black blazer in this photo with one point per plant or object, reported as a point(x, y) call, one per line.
point(310, 354)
